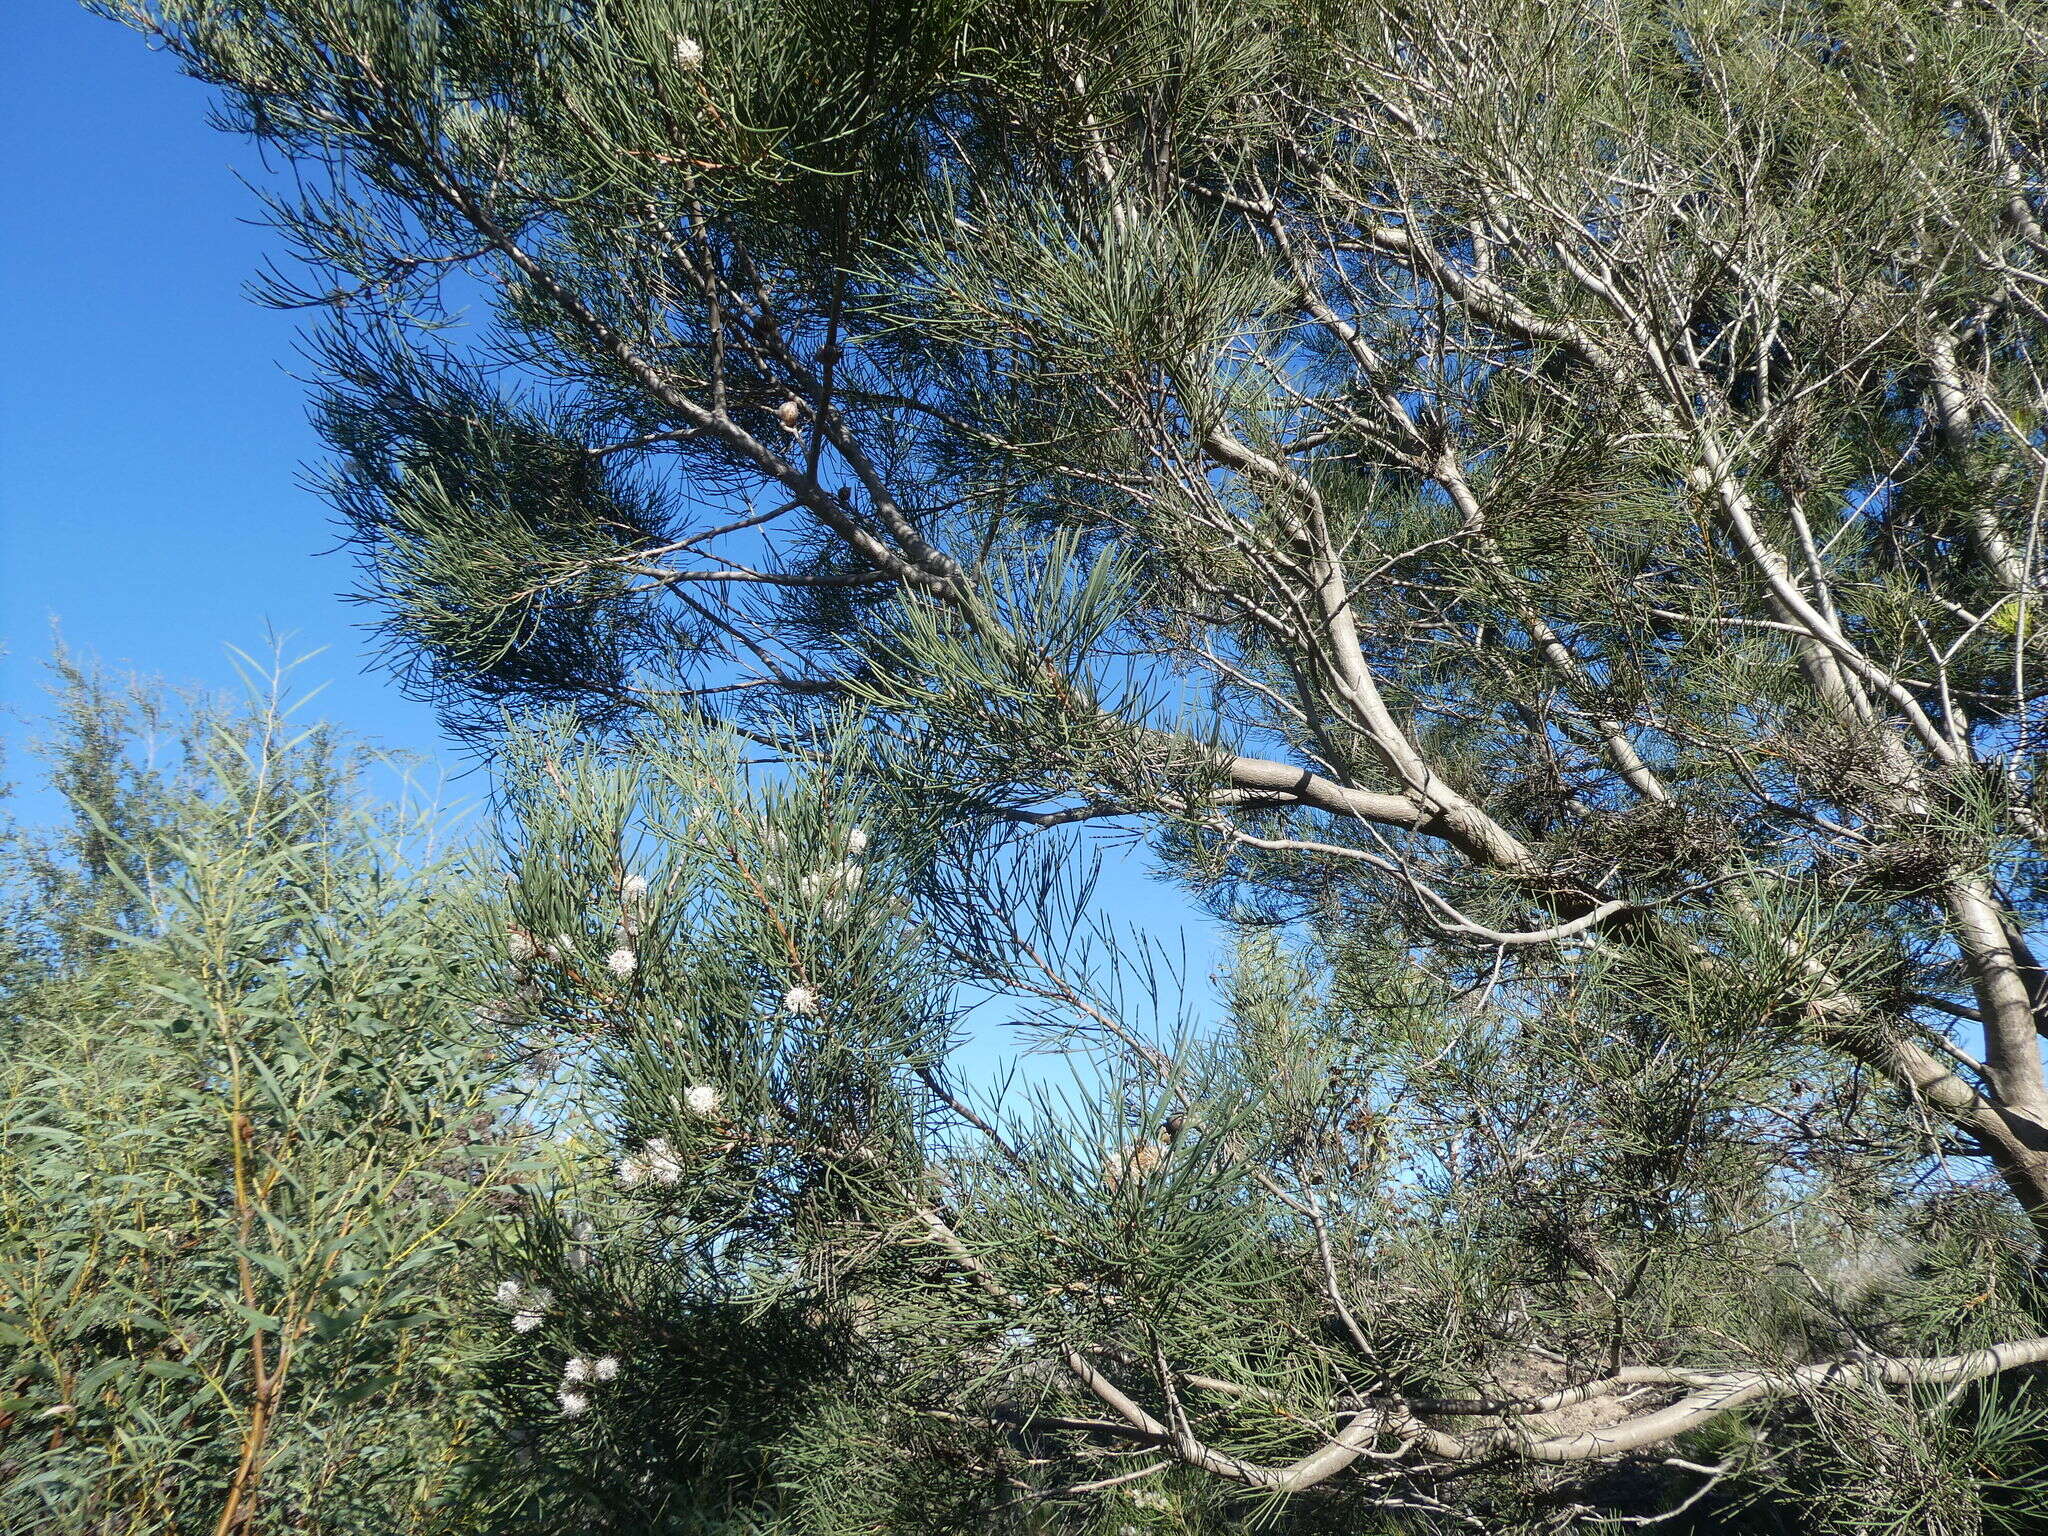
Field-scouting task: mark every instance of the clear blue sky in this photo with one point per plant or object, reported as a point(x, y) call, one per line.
point(151, 436)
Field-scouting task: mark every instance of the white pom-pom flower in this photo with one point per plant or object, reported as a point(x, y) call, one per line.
point(634, 888)
point(800, 1001)
point(508, 1293)
point(576, 1368)
point(526, 1321)
point(605, 1368)
point(574, 1404)
point(857, 841)
point(622, 962)
point(663, 1166)
point(631, 1171)
point(834, 882)
point(701, 1099)
point(689, 53)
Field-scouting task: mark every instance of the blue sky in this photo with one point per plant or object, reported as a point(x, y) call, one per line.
point(151, 436)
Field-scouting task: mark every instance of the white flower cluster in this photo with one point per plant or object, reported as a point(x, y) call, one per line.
point(624, 958)
point(527, 1307)
point(580, 1368)
point(689, 53)
point(522, 948)
point(837, 884)
point(578, 1372)
point(702, 1099)
point(656, 1160)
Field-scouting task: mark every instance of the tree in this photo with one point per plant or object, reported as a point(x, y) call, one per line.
point(1540, 505)
point(252, 1138)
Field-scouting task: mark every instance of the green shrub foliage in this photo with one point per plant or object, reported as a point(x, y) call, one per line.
point(248, 1129)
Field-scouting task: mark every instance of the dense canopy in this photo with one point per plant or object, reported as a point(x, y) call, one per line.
point(1536, 511)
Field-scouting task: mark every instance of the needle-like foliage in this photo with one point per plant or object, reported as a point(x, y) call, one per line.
point(1536, 511)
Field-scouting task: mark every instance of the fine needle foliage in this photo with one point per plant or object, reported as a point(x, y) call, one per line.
point(248, 1126)
point(1533, 511)
point(801, 1277)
